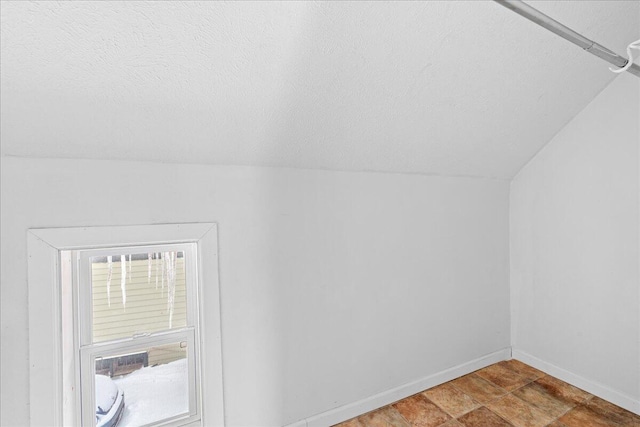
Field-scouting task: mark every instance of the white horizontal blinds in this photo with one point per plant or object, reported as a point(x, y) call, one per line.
point(138, 293)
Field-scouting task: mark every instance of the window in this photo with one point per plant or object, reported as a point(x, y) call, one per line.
point(137, 315)
point(126, 326)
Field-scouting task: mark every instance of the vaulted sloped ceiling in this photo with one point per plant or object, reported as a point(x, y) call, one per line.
point(450, 87)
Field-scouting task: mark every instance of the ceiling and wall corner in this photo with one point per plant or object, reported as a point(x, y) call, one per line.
point(452, 88)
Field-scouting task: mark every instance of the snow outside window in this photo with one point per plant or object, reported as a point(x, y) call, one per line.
point(116, 326)
point(137, 332)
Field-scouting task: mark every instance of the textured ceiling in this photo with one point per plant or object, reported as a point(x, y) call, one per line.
point(458, 88)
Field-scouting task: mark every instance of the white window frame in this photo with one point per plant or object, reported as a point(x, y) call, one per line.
point(50, 368)
point(83, 330)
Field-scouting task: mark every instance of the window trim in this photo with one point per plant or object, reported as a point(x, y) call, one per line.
point(45, 269)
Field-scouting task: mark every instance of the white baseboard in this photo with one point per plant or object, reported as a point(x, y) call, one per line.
point(345, 412)
point(593, 387)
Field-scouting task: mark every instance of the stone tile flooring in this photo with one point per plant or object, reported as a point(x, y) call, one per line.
point(506, 394)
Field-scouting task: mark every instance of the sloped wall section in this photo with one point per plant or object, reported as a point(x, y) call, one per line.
point(574, 228)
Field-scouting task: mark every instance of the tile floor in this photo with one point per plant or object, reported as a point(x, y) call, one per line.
point(507, 394)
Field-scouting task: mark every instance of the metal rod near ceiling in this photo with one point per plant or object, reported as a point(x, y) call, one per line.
point(567, 33)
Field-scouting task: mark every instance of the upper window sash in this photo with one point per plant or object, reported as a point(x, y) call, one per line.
point(84, 285)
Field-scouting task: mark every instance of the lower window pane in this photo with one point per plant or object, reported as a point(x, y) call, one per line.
point(143, 387)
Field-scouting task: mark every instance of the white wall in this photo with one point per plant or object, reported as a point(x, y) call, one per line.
point(574, 250)
point(335, 286)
